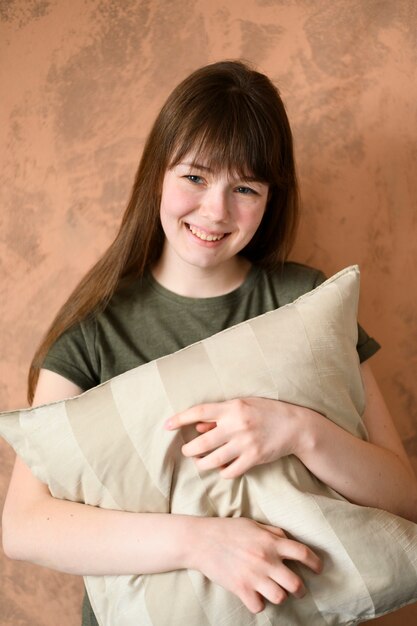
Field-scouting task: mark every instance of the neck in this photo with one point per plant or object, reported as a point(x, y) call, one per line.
point(198, 282)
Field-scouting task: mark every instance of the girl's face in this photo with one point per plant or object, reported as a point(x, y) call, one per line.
point(208, 217)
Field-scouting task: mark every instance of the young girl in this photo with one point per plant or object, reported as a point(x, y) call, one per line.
point(202, 246)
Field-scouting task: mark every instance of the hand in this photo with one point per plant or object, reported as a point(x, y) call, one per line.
point(239, 434)
point(247, 558)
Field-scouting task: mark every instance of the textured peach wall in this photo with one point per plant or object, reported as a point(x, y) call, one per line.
point(80, 84)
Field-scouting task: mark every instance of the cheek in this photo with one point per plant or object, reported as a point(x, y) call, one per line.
point(175, 205)
point(252, 221)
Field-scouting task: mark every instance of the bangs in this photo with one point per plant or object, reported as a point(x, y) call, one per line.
point(227, 136)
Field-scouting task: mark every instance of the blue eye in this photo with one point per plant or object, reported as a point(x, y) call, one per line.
point(193, 178)
point(246, 191)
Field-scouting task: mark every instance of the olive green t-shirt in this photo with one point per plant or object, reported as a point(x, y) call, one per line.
point(144, 321)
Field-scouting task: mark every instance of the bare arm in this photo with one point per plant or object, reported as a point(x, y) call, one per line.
point(375, 473)
point(239, 554)
point(239, 434)
point(82, 539)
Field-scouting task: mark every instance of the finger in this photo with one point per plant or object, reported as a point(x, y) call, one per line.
point(219, 457)
point(273, 592)
point(252, 600)
point(295, 551)
point(198, 413)
point(204, 427)
point(288, 580)
point(204, 443)
point(238, 467)
point(276, 530)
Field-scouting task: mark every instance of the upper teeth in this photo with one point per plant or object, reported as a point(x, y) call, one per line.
point(204, 236)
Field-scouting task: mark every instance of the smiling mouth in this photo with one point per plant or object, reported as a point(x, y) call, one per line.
point(205, 236)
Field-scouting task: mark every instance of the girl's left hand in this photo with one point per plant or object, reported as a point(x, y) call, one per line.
point(239, 434)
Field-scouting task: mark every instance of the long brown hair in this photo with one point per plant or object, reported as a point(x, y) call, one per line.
point(233, 117)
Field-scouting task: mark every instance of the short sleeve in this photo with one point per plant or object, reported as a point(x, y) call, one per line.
point(366, 346)
point(73, 356)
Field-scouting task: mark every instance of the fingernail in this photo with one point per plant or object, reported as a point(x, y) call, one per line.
point(168, 424)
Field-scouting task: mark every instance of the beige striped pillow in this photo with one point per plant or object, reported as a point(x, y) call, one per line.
point(108, 448)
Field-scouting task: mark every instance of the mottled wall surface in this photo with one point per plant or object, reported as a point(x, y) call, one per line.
point(80, 83)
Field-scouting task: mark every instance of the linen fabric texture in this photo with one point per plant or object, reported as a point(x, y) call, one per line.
point(107, 448)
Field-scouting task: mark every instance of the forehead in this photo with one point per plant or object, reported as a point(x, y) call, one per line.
point(211, 165)
point(225, 140)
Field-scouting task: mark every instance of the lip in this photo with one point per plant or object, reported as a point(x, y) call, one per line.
point(204, 242)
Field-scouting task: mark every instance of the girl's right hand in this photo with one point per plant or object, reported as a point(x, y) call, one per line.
point(247, 558)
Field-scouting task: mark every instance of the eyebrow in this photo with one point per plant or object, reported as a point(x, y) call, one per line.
point(197, 166)
point(205, 168)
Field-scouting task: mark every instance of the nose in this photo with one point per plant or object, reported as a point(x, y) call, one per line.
point(215, 205)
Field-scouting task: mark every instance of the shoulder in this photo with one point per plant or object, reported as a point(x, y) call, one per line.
point(291, 281)
point(73, 356)
point(301, 275)
point(130, 294)
point(86, 352)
